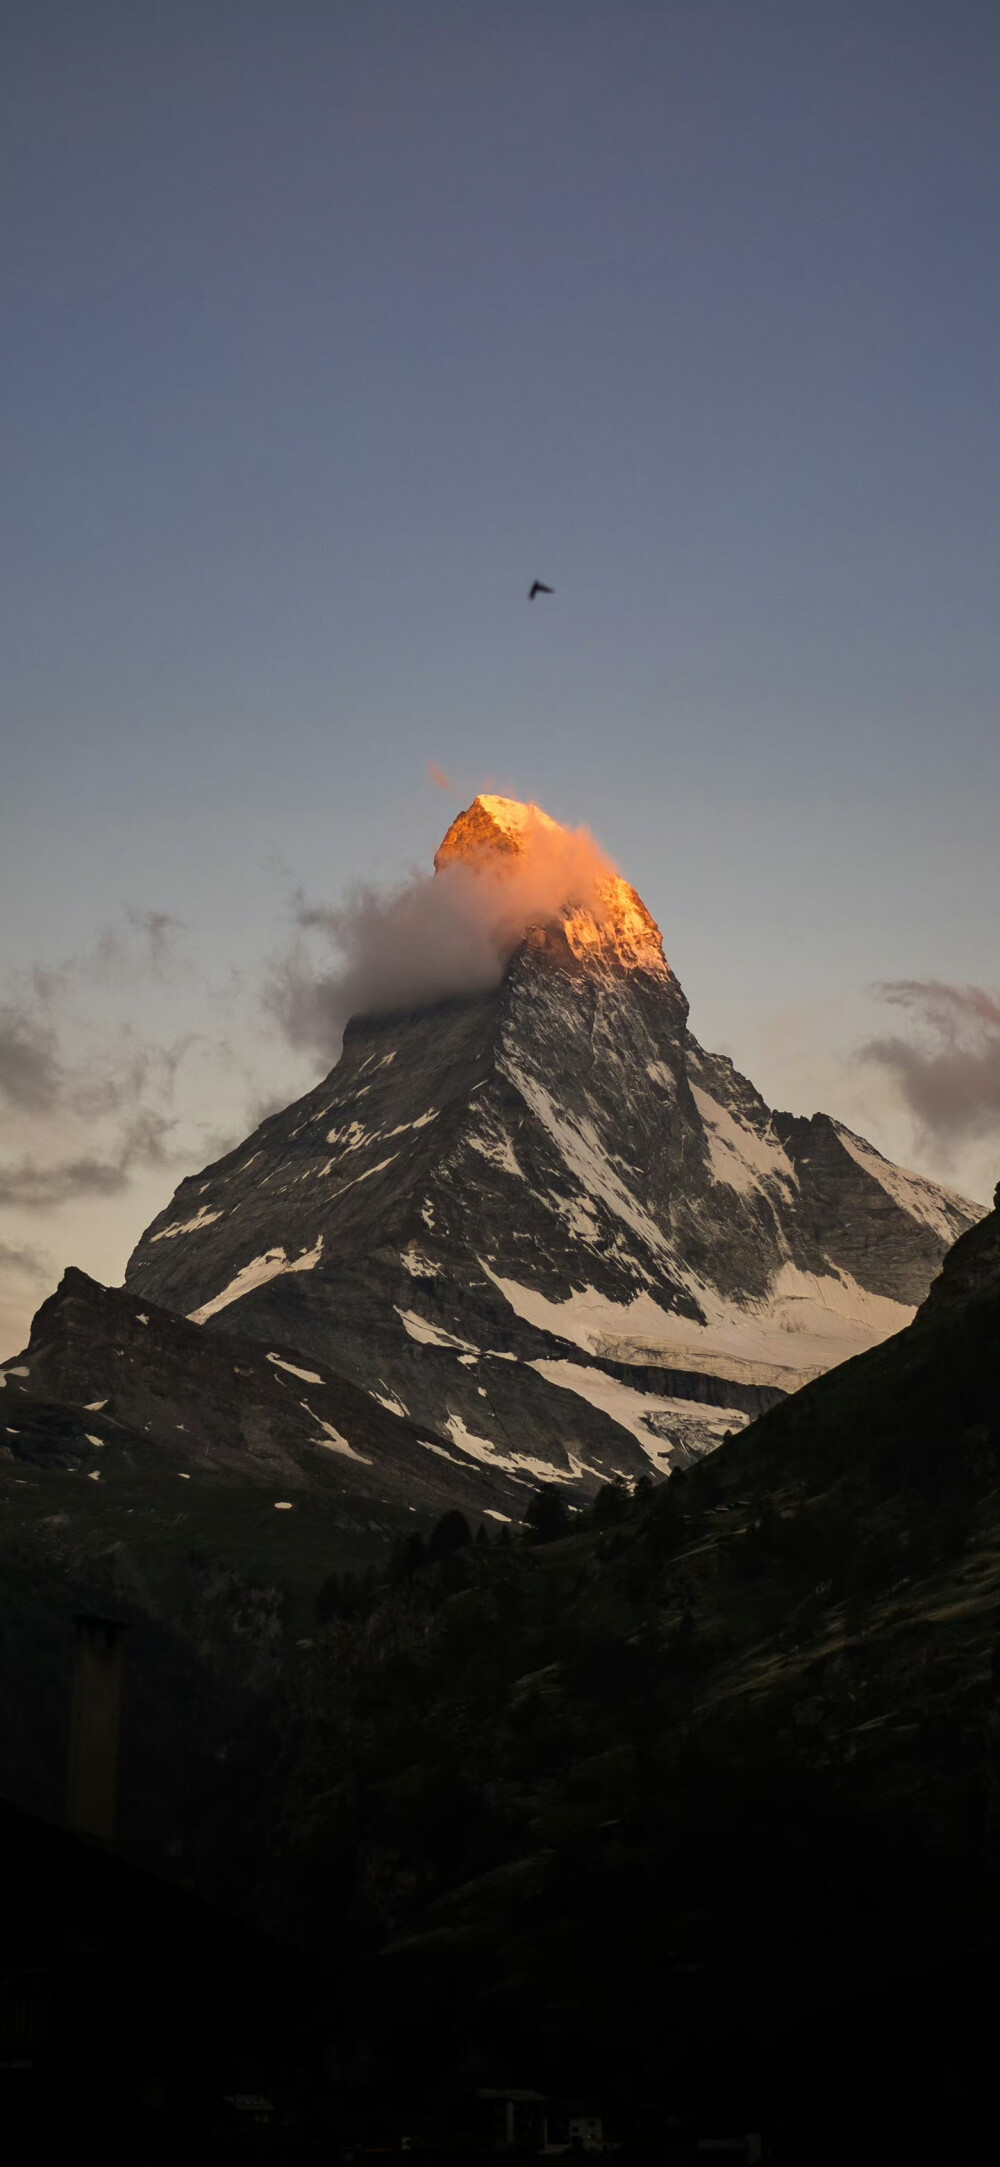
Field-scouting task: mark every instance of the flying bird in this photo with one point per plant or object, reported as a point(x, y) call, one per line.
point(538, 586)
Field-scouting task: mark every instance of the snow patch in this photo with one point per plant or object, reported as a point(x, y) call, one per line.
point(738, 1154)
point(497, 1151)
point(366, 1176)
point(353, 1137)
point(93, 1407)
point(431, 1335)
point(392, 1405)
point(579, 1217)
point(308, 1376)
point(98, 1441)
point(806, 1323)
point(271, 1265)
point(584, 1317)
point(332, 1441)
point(634, 1411)
point(420, 1122)
point(515, 1464)
point(417, 1264)
point(202, 1217)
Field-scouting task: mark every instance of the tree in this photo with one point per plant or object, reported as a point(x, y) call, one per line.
point(409, 1557)
point(328, 1600)
point(547, 1516)
point(610, 1503)
point(451, 1533)
point(347, 1595)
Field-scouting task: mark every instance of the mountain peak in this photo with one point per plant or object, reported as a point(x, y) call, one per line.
point(491, 827)
point(565, 877)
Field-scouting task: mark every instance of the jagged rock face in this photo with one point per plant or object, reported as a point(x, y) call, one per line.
point(522, 1210)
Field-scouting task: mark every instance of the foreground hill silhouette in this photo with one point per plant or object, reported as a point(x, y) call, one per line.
point(698, 1804)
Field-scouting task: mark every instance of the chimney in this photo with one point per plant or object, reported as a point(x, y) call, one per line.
point(93, 1750)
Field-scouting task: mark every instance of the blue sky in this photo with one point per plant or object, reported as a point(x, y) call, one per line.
point(328, 328)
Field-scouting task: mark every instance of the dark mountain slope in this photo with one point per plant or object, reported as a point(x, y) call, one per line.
point(700, 1804)
point(211, 1407)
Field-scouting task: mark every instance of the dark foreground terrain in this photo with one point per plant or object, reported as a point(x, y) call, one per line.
point(668, 1821)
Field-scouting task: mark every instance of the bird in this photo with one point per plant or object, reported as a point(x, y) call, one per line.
point(538, 586)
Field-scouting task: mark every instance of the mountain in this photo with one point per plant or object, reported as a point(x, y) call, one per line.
point(537, 1220)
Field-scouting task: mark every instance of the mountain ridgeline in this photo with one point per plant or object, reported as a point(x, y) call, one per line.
point(540, 1222)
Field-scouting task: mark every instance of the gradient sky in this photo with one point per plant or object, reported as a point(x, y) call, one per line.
point(331, 324)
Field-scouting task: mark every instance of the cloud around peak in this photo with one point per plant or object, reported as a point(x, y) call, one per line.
point(435, 936)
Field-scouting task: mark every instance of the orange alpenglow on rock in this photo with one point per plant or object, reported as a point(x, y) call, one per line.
point(560, 874)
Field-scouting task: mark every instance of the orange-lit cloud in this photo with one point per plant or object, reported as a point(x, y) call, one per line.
point(451, 933)
point(438, 777)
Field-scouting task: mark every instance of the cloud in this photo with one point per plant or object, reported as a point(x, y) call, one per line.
point(263, 1105)
point(37, 1188)
point(438, 777)
point(85, 1099)
point(146, 947)
point(51, 1057)
point(34, 1185)
point(947, 1067)
point(29, 1066)
point(29, 1263)
point(435, 937)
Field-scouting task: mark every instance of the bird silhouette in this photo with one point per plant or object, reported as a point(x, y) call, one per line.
point(538, 586)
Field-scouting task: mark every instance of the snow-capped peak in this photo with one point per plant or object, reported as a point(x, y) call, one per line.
point(562, 875)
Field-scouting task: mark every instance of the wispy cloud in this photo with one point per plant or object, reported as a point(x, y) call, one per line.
point(946, 1065)
point(37, 1187)
point(86, 1099)
point(144, 945)
point(29, 1066)
point(25, 1261)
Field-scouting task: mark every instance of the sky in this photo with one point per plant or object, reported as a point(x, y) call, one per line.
point(329, 325)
